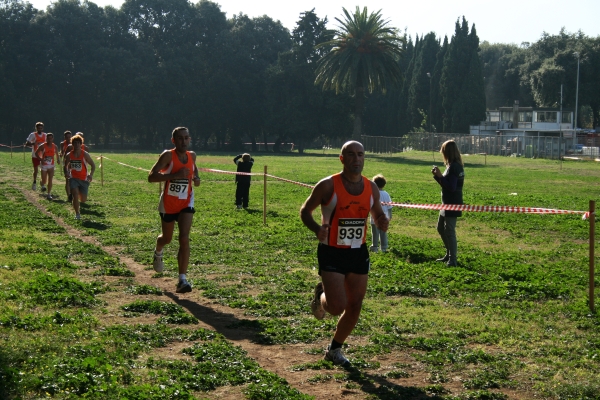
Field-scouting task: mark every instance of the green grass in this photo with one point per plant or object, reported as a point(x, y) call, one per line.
point(513, 315)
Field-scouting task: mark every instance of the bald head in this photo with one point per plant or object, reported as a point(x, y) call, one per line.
point(351, 143)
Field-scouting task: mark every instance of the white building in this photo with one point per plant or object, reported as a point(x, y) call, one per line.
point(526, 121)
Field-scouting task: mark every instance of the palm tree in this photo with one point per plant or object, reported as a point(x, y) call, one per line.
point(363, 55)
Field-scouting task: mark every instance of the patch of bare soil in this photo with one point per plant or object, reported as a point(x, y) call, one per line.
point(278, 359)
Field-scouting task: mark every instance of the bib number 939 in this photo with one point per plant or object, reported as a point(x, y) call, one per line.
point(351, 232)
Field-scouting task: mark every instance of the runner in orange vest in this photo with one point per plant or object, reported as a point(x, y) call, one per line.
point(34, 140)
point(177, 168)
point(47, 152)
point(76, 170)
point(63, 152)
point(346, 200)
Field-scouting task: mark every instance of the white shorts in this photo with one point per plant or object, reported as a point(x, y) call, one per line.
point(47, 167)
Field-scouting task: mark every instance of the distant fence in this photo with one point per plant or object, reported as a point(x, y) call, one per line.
point(497, 145)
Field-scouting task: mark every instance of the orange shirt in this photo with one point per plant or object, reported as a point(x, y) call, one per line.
point(347, 214)
point(63, 145)
point(178, 193)
point(77, 166)
point(38, 141)
point(48, 153)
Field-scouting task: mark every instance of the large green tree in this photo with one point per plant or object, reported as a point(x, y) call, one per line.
point(461, 83)
point(363, 57)
point(299, 111)
point(552, 62)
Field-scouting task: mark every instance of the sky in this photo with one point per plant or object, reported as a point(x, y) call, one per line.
point(503, 21)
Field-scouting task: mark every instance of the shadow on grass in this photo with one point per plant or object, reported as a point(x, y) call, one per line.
point(9, 376)
point(99, 226)
point(386, 390)
point(224, 323)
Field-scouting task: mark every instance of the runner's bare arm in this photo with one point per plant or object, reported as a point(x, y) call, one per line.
point(320, 195)
point(67, 165)
point(91, 163)
point(57, 155)
point(196, 176)
point(156, 176)
point(40, 153)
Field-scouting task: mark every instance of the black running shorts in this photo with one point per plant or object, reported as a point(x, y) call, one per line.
point(343, 261)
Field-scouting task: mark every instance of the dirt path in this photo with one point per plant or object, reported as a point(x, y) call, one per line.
point(275, 358)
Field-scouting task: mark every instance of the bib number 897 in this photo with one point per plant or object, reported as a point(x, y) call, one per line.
point(351, 233)
point(175, 188)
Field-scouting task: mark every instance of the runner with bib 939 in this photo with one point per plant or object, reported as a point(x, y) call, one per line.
point(346, 200)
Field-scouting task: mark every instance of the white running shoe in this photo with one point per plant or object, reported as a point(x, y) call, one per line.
point(33, 186)
point(49, 197)
point(336, 357)
point(315, 305)
point(43, 187)
point(158, 264)
point(183, 287)
point(77, 216)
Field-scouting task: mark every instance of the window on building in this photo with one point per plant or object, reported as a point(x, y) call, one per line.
point(493, 116)
point(507, 116)
point(525, 116)
point(566, 117)
point(546, 116)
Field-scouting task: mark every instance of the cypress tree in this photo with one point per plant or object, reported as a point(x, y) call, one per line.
point(436, 97)
point(460, 75)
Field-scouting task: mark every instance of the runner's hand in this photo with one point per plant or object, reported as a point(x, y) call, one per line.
point(323, 233)
point(382, 223)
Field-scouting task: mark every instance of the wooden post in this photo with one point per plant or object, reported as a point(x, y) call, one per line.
point(485, 158)
point(24, 147)
point(265, 197)
point(11, 149)
point(101, 170)
point(592, 239)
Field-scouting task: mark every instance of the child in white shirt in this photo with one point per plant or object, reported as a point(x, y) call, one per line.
point(376, 233)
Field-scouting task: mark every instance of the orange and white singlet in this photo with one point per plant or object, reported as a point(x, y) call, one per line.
point(39, 140)
point(178, 193)
point(347, 214)
point(48, 155)
point(78, 167)
point(63, 146)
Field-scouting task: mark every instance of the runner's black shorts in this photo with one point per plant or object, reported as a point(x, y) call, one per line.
point(175, 217)
point(343, 260)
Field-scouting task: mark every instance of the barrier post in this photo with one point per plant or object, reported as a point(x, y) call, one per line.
point(265, 197)
point(11, 149)
point(592, 239)
point(101, 170)
point(485, 158)
point(24, 147)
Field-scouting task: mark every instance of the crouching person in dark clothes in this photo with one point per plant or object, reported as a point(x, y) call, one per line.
point(244, 164)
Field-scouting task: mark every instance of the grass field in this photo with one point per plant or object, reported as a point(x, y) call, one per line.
point(82, 313)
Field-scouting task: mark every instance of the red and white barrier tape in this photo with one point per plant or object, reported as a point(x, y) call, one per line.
point(287, 180)
point(450, 207)
point(506, 209)
point(12, 147)
point(220, 171)
point(126, 165)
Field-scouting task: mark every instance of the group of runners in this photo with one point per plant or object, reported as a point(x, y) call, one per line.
point(346, 200)
point(78, 166)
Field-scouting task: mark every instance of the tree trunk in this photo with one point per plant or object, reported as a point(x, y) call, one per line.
point(359, 105)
